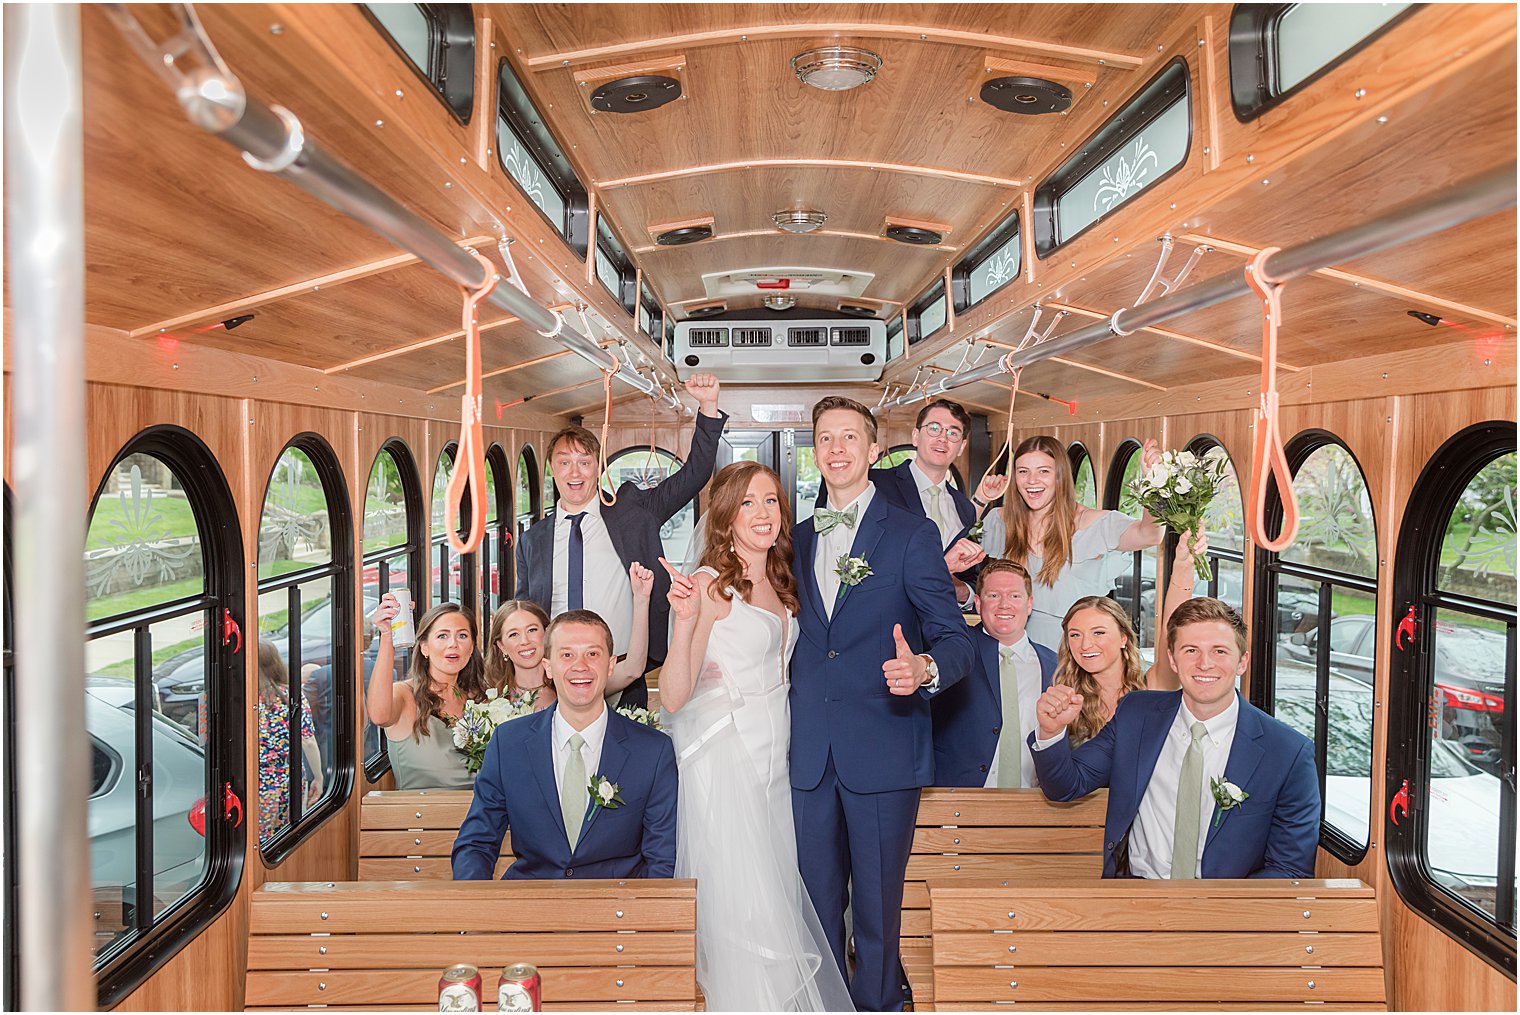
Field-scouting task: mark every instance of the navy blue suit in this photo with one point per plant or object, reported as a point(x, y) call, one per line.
point(516, 785)
point(1273, 834)
point(633, 524)
point(859, 753)
point(968, 718)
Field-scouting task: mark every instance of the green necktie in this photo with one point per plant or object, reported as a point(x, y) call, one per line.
point(1189, 805)
point(825, 520)
point(574, 793)
point(937, 502)
point(1010, 749)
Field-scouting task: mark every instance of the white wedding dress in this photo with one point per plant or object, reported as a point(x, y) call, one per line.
point(759, 944)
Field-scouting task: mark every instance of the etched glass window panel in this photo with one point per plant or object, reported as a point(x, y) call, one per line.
point(294, 529)
point(143, 546)
point(1311, 36)
point(408, 25)
point(1478, 550)
point(1143, 160)
point(1335, 529)
point(932, 317)
point(1000, 268)
point(607, 273)
point(526, 173)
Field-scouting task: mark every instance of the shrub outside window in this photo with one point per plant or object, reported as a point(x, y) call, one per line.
point(1083, 479)
point(1317, 649)
point(392, 560)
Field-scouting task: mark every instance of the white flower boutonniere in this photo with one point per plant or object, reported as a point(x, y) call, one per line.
point(851, 571)
point(604, 793)
point(1228, 796)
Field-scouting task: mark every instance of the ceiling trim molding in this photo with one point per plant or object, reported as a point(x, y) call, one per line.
point(884, 167)
point(948, 248)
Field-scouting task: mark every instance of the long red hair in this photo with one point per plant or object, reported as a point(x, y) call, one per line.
point(728, 490)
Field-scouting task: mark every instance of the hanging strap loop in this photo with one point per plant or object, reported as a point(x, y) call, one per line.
point(1268, 456)
point(609, 499)
point(470, 460)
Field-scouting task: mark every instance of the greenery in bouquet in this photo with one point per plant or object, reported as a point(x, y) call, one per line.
point(478, 723)
point(1177, 490)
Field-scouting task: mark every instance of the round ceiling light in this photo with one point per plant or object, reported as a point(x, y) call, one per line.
point(799, 220)
point(683, 234)
point(636, 94)
point(780, 302)
point(836, 68)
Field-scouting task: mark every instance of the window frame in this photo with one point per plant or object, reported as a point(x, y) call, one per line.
point(960, 275)
point(523, 520)
point(1113, 490)
point(1076, 454)
point(1417, 557)
point(339, 571)
point(896, 329)
point(498, 534)
point(609, 246)
point(1143, 108)
point(516, 107)
point(1253, 49)
point(651, 306)
point(137, 954)
point(378, 764)
point(438, 542)
point(451, 54)
point(914, 329)
point(1269, 569)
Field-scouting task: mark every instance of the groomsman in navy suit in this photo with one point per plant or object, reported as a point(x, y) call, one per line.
point(1201, 782)
point(541, 770)
point(577, 555)
point(880, 635)
point(979, 724)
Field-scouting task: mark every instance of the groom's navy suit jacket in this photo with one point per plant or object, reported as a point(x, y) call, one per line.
point(839, 698)
point(1273, 834)
point(968, 718)
point(516, 785)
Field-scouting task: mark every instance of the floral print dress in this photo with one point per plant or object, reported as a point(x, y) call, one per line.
point(275, 756)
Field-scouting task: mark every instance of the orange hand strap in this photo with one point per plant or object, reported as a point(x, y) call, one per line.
point(1268, 457)
point(470, 460)
point(608, 499)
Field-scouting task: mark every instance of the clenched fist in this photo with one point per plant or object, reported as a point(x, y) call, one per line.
point(1057, 709)
point(704, 388)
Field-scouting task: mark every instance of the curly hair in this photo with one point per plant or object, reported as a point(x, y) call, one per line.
point(471, 682)
point(724, 502)
point(1070, 673)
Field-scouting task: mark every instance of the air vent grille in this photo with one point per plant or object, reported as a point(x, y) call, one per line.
point(807, 337)
point(751, 338)
point(708, 338)
point(852, 336)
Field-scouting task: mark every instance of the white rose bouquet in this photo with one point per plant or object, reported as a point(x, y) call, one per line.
point(1177, 490)
point(478, 723)
point(642, 716)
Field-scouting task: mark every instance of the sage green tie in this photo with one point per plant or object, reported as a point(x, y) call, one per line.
point(937, 505)
point(573, 791)
point(1189, 805)
point(826, 520)
point(1010, 749)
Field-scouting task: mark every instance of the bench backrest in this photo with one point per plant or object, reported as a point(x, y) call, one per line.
point(382, 945)
point(409, 834)
point(1128, 944)
point(980, 833)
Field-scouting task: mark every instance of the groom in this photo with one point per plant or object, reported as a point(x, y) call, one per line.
point(880, 634)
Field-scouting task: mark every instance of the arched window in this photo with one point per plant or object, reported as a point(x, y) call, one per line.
point(1451, 726)
point(645, 469)
point(447, 570)
point(1135, 588)
point(163, 702)
point(392, 560)
point(1316, 634)
point(306, 625)
point(1083, 480)
point(1225, 525)
point(494, 573)
point(906, 453)
point(527, 499)
point(550, 495)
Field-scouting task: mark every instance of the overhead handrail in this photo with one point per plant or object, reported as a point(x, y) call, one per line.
point(272, 139)
point(1268, 457)
point(1486, 194)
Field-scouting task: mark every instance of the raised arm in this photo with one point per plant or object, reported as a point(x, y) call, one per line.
point(947, 639)
point(659, 844)
point(1293, 839)
point(641, 580)
point(1145, 531)
point(1066, 774)
point(1161, 676)
point(478, 844)
point(671, 495)
point(693, 613)
point(386, 701)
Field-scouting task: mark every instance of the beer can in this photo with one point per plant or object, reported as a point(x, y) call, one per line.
point(403, 627)
point(521, 989)
point(459, 988)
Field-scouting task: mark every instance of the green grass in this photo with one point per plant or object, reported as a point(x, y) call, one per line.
point(170, 518)
point(136, 599)
point(126, 668)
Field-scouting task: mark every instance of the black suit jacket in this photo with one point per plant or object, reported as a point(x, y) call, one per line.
point(634, 525)
point(897, 485)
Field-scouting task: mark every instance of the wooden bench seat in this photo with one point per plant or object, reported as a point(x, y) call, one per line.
point(1054, 945)
point(980, 833)
point(408, 835)
point(382, 945)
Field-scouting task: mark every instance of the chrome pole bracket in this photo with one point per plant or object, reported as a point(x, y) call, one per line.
point(1167, 285)
point(189, 63)
point(504, 245)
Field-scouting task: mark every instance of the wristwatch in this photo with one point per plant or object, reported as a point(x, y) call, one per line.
point(932, 669)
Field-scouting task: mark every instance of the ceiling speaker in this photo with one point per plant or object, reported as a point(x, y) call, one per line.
point(1030, 96)
point(683, 234)
point(913, 234)
point(635, 94)
point(707, 311)
point(857, 310)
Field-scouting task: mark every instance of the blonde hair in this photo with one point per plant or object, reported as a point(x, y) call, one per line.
point(1070, 673)
point(1056, 551)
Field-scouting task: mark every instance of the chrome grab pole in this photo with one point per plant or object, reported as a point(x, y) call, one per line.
point(1482, 195)
point(273, 140)
point(44, 221)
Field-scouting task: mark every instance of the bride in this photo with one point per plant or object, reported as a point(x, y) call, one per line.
point(724, 691)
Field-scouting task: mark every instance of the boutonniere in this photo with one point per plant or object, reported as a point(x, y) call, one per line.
point(851, 571)
point(1228, 796)
point(604, 793)
point(975, 532)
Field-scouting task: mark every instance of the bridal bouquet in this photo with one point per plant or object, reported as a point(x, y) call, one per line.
point(477, 724)
point(642, 716)
point(1177, 490)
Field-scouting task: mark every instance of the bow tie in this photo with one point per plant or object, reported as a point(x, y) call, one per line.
point(824, 520)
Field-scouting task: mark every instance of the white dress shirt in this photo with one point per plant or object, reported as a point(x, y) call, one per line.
point(605, 590)
point(947, 518)
point(1150, 837)
point(835, 544)
point(1029, 694)
point(591, 750)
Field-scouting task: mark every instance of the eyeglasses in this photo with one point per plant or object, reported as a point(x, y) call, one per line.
point(953, 433)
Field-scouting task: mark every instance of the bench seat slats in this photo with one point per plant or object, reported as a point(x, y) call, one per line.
point(1139, 983)
point(380, 915)
point(1138, 913)
point(434, 951)
point(1155, 948)
point(1007, 808)
point(379, 987)
point(417, 868)
point(437, 814)
point(409, 842)
point(1010, 840)
point(1028, 866)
